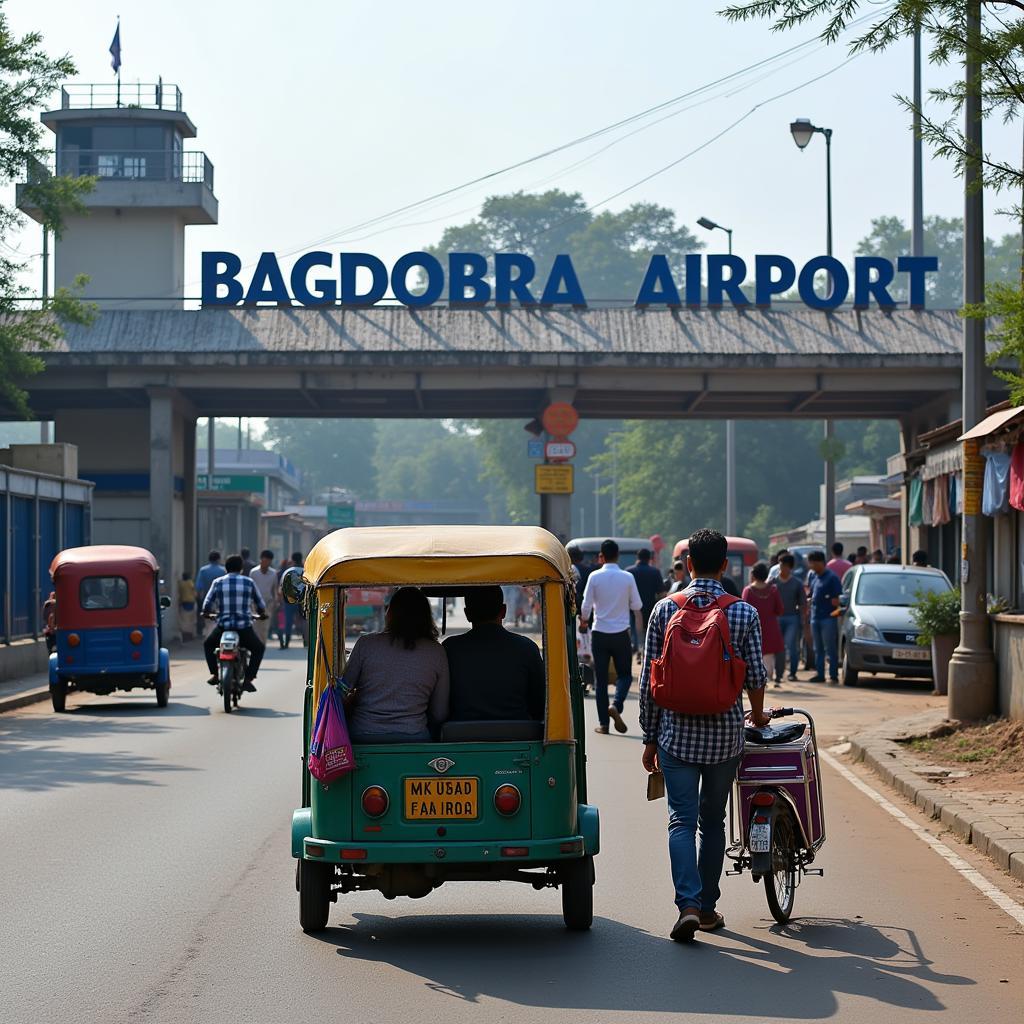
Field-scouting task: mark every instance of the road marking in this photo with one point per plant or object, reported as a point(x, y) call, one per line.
point(954, 860)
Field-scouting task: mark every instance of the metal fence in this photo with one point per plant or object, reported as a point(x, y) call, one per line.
point(40, 515)
point(129, 165)
point(106, 95)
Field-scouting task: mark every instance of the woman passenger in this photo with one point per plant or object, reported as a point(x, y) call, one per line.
point(399, 676)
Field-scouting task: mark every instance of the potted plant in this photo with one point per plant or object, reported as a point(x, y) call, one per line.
point(938, 618)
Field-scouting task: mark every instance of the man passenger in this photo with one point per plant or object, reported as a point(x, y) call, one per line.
point(494, 675)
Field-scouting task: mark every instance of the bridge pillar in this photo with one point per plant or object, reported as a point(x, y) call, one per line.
point(556, 515)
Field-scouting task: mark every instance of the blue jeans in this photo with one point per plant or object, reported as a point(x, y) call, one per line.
point(697, 797)
point(791, 632)
point(826, 640)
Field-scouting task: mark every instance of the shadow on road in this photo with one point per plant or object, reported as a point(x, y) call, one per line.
point(796, 973)
point(138, 709)
point(41, 753)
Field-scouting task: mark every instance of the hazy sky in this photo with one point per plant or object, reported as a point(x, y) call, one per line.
point(321, 115)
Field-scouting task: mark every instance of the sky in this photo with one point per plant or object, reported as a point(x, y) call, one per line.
point(319, 116)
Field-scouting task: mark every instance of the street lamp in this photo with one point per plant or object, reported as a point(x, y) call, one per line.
point(803, 131)
point(730, 425)
point(710, 225)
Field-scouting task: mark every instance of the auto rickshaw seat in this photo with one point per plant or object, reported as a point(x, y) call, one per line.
point(488, 731)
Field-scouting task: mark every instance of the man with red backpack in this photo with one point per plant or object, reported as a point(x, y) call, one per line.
point(703, 649)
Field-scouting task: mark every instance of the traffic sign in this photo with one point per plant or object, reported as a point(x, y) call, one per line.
point(560, 419)
point(552, 479)
point(559, 451)
point(535, 449)
point(341, 515)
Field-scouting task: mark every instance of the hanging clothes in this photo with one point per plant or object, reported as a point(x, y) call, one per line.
point(995, 495)
point(1017, 477)
point(956, 494)
point(940, 505)
point(915, 513)
point(928, 503)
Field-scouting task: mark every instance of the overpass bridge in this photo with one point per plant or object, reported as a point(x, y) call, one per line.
point(128, 389)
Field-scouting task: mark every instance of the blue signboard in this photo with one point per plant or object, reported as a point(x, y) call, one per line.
point(535, 449)
point(325, 278)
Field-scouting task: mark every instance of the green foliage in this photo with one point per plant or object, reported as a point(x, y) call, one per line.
point(763, 524)
point(936, 615)
point(27, 77)
point(1004, 308)
point(610, 250)
point(943, 237)
point(330, 453)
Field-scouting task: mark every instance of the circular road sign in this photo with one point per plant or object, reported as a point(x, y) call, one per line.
point(559, 451)
point(560, 419)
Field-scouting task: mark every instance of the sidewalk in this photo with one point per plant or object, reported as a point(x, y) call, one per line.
point(16, 693)
point(990, 819)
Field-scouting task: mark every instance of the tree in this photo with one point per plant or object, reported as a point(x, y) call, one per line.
point(610, 251)
point(27, 77)
point(330, 453)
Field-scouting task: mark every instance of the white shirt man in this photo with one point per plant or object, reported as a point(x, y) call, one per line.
point(265, 579)
point(611, 596)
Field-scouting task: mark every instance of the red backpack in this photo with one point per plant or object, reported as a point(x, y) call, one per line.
point(699, 672)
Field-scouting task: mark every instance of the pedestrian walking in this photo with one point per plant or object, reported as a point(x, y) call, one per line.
point(773, 572)
point(679, 581)
point(824, 588)
point(699, 753)
point(187, 616)
point(265, 579)
point(580, 571)
point(651, 588)
point(767, 601)
point(794, 600)
point(839, 565)
point(298, 619)
point(204, 580)
point(862, 556)
point(612, 597)
point(50, 622)
point(920, 559)
point(247, 563)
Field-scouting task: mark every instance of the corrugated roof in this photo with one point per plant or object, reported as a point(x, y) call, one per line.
point(437, 330)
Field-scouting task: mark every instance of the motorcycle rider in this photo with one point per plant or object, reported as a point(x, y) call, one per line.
point(234, 595)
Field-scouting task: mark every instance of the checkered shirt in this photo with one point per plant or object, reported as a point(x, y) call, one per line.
point(233, 595)
point(701, 739)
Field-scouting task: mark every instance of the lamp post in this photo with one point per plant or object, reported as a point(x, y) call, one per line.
point(803, 131)
point(730, 425)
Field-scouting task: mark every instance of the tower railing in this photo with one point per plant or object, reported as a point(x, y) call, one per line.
point(107, 95)
point(191, 166)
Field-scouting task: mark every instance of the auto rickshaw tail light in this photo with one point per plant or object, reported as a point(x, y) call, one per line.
point(135, 636)
point(74, 639)
point(353, 855)
point(763, 799)
point(515, 851)
point(575, 846)
point(507, 799)
point(375, 801)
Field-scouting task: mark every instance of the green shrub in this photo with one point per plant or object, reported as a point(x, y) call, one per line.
point(936, 615)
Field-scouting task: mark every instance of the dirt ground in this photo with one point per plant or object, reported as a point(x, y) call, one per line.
point(990, 754)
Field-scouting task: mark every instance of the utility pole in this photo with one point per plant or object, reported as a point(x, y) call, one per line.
point(917, 218)
point(830, 490)
point(730, 478)
point(972, 670)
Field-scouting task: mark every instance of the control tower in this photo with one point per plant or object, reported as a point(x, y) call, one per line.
point(131, 241)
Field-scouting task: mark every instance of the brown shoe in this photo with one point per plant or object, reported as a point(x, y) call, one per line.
point(686, 926)
point(602, 729)
point(615, 715)
point(711, 921)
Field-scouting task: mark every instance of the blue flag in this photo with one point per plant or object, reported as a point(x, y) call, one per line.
point(115, 49)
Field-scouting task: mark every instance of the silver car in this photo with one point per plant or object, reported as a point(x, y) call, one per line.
point(877, 632)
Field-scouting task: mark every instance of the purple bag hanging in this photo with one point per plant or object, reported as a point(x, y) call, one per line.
point(330, 749)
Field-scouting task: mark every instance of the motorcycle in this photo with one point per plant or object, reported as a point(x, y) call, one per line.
point(232, 662)
point(776, 812)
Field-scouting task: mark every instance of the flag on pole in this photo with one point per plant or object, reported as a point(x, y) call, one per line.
point(115, 49)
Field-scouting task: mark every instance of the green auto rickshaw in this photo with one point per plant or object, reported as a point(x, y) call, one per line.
point(484, 800)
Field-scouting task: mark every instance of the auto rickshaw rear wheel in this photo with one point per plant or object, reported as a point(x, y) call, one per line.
point(59, 694)
point(163, 693)
point(577, 881)
point(314, 894)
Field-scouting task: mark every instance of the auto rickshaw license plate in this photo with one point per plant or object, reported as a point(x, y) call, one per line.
point(431, 799)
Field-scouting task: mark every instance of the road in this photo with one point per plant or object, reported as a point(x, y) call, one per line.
point(146, 877)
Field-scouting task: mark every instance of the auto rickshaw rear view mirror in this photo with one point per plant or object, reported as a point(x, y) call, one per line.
point(293, 586)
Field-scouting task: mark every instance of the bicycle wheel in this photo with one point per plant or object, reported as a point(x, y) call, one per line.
point(780, 883)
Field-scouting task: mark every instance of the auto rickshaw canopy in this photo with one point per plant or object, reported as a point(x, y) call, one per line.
point(136, 566)
point(104, 559)
point(437, 555)
point(428, 556)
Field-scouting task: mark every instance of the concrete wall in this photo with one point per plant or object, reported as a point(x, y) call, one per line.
point(126, 253)
point(23, 658)
point(1008, 641)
